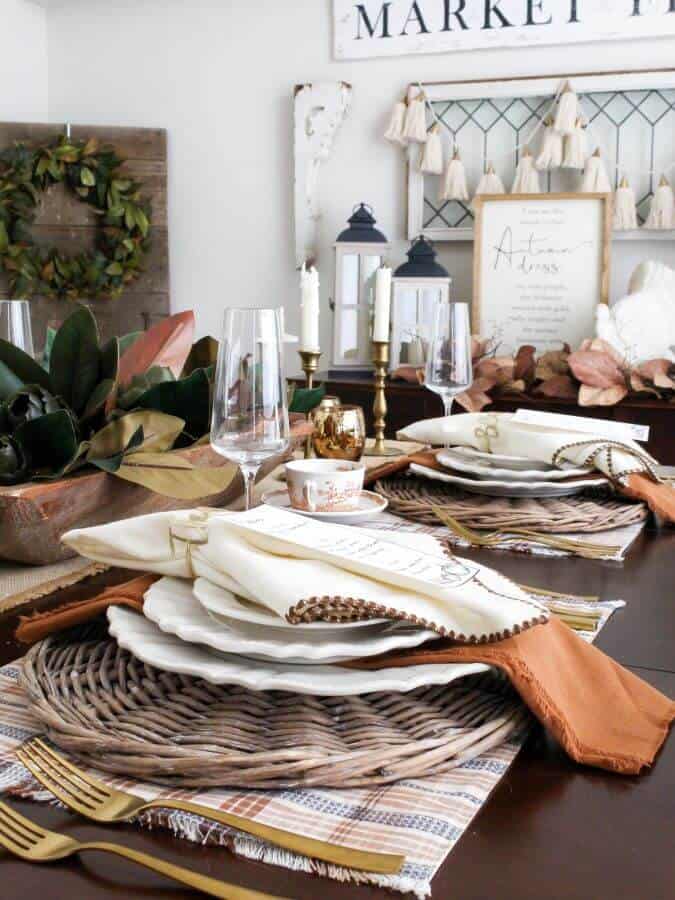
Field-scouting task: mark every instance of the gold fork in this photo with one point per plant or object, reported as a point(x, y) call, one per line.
point(96, 801)
point(29, 841)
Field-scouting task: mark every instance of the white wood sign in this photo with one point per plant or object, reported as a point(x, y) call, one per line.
point(398, 27)
point(541, 266)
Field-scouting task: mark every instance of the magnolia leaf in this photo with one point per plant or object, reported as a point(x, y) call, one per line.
point(189, 399)
point(99, 397)
point(596, 368)
point(140, 384)
point(112, 463)
point(75, 364)
point(561, 387)
point(159, 433)
point(476, 398)
point(306, 399)
point(87, 177)
point(525, 364)
point(203, 355)
point(128, 340)
point(598, 396)
point(171, 475)
point(9, 383)
point(168, 344)
point(552, 363)
point(603, 346)
point(659, 371)
point(23, 366)
point(640, 386)
point(4, 238)
point(49, 443)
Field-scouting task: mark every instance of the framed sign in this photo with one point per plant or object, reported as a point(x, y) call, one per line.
point(541, 267)
point(400, 27)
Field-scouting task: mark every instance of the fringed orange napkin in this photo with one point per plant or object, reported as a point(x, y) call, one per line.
point(660, 498)
point(601, 713)
point(37, 626)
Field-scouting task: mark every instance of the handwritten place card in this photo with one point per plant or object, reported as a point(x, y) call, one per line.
point(541, 266)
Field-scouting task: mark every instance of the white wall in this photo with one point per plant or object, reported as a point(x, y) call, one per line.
point(220, 77)
point(23, 62)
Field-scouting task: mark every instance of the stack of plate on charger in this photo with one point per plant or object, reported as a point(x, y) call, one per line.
point(509, 476)
point(200, 629)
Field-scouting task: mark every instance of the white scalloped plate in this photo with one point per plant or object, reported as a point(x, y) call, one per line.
point(479, 469)
point(540, 489)
point(224, 603)
point(171, 605)
point(512, 463)
point(151, 645)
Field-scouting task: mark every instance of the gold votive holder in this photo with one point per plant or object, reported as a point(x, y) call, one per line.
point(339, 431)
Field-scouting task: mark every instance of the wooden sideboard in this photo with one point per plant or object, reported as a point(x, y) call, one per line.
point(410, 402)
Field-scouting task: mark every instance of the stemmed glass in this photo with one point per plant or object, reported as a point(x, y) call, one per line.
point(250, 414)
point(449, 369)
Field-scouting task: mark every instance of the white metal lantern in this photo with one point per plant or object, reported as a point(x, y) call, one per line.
point(359, 252)
point(418, 285)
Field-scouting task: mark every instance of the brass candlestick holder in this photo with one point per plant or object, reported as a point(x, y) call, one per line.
point(381, 363)
point(310, 363)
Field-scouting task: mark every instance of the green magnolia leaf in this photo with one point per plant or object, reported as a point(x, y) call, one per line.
point(13, 468)
point(171, 475)
point(49, 343)
point(50, 444)
point(9, 383)
point(140, 384)
point(127, 340)
point(98, 397)
point(305, 399)
point(159, 434)
point(4, 238)
point(87, 177)
point(112, 463)
point(114, 269)
point(75, 364)
point(24, 367)
point(203, 355)
point(189, 399)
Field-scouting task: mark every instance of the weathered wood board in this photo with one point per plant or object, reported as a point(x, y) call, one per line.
point(65, 222)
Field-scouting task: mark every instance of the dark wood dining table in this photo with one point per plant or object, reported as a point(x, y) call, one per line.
point(551, 829)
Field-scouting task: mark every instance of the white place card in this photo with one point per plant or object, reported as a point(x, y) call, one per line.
point(613, 431)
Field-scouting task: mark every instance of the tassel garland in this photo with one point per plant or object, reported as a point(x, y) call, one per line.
point(596, 179)
point(527, 177)
point(453, 185)
point(431, 162)
point(576, 148)
point(625, 214)
point(394, 133)
point(490, 183)
point(662, 210)
point(415, 127)
point(567, 112)
point(551, 153)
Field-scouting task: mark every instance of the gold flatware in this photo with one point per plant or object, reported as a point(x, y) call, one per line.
point(511, 535)
point(96, 801)
point(31, 842)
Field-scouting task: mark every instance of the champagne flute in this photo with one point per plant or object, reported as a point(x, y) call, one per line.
point(449, 368)
point(249, 423)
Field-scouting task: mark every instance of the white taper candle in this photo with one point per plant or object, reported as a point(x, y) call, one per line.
point(382, 304)
point(309, 309)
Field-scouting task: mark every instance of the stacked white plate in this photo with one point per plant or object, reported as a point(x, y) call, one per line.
point(203, 630)
point(508, 476)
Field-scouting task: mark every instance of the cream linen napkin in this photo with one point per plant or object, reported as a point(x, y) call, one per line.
point(305, 570)
point(498, 433)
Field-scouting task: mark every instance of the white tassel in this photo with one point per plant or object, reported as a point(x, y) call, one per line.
point(432, 157)
point(625, 214)
point(415, 128)
point(576, 148)
point(595, 180)
point(527, 177)
point(453, 185)
point(394, 133)
point(490, 183)
point(567, 112)
point(662, 209)
point(551, 153)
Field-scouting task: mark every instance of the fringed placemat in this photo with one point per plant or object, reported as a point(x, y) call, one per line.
point(20, 584)
point(120, 715)
point(415, 498)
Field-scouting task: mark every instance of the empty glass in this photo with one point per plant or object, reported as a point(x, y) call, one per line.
point(449, 369)
point(250, 414)
point(15, 325)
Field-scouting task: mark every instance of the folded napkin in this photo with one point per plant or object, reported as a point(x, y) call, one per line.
point(601, 713)
point(628, 466)
point(38, 625)
point(305, 570)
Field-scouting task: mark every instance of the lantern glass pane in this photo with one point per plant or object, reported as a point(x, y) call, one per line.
point(350, 280)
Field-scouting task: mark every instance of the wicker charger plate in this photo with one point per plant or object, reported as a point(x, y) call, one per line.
point(117, 714)
point(413, 498)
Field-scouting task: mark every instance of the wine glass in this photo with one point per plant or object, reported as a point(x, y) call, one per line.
point(249, 423)
point(449, 369)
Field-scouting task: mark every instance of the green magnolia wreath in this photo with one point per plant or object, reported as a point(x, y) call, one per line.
point(93, 174)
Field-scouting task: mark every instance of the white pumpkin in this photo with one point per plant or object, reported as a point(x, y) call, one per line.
point(640, 326)
point(651, 274)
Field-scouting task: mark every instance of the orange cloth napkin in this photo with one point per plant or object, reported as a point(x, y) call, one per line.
point(660, 498)
point(601, 713)
point(37, 626)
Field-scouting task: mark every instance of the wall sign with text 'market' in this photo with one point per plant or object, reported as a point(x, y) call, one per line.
point(399, 27)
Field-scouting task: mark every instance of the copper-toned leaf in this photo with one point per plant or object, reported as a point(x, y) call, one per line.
point(411, 374)
point(640, 386)
point(480, 347)
point(597, 396)
point(476, 398)
point(515, 386)
point(525, 364)
point(552, 363)
point(660, 371)
point(561, 387)
point(166, 344)
point(499, 368)
point(596, 368)
point(601, 346)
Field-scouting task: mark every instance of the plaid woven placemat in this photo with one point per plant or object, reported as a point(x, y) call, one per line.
point(421, 819)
